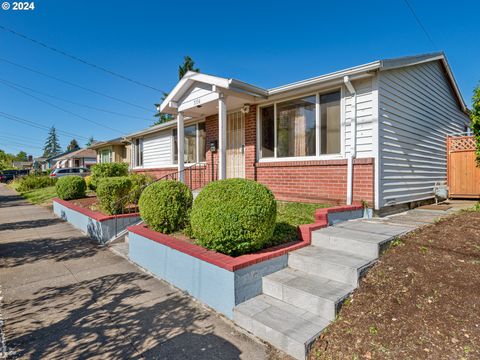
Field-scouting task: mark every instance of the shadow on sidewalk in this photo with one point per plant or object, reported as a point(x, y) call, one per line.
point(17, 253)
point(101, 322)
point(29, 224)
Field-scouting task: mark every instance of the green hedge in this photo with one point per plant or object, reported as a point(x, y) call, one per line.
point(70, 187)
point(112, 193)
point(234, 216)
point(100, 171)
point(139, 182)
point(165, 205)
point(32, 182)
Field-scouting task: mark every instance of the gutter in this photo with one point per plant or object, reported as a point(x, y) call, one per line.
point(353, 146)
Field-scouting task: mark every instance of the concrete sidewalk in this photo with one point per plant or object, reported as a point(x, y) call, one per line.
point(64, 297)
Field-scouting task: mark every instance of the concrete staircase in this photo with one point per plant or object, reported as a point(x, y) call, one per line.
point(299, 301)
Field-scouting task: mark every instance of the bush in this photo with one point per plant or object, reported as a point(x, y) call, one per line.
point(139, 182)
point(70, 187)
point(88, 182)
point(165, 205)
point(105, 170)
point(112, 194)
point(234, 216)
point(31, 182)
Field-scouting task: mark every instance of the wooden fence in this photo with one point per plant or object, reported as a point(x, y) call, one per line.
point(463, 174)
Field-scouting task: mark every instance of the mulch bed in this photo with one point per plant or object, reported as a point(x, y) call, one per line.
point(421, 301)
point(91, 203)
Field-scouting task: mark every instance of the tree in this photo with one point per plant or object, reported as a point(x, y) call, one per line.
point(6, 160)
point(21, 156)
point(73, 145)
point(188, 65)
point(52, 145)
point(90, 141)
point(475, 117)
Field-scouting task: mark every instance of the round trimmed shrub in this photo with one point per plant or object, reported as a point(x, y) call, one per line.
point(234, 216)
point(165, 205)
point(70, 187)
point(113, 194)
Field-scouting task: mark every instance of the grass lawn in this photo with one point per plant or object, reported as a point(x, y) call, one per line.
point(289, 216)
point(40, 196)
point(420, 301)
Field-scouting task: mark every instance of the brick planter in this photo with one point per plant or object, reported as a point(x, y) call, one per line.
point(98, 226)
point(220, 281)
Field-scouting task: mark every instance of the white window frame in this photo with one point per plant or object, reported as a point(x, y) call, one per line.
point(317, 156)
point(135, 151)
point(172, 160)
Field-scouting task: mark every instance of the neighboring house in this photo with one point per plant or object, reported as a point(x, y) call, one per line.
point(51, 162)
point(374, 132)
point(39, 163)
point(115, 150)
point(23, 165)
point(77, 158)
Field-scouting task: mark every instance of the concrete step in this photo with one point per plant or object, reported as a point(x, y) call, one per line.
point(351, 241)
point(332, 264)
point(316, 294)
point(283, 325)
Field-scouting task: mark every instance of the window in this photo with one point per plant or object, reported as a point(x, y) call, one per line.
point(202, 142)
point(138, 160)
point(194, 146)
point(330, 123)
point(105, 155)
point(289, 128)
point(267, 133)
point(296, 127)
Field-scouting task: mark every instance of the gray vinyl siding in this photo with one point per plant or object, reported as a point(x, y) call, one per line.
point(417, 110)
point(364, 119)
point(157, 149)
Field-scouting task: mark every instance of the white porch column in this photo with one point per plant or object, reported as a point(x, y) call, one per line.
point(222, 137)
point(180, 145)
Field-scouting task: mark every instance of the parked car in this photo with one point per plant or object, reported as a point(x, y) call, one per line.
point(9, 175)
point(79, 171)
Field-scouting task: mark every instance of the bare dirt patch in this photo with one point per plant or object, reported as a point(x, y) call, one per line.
point(421, 301)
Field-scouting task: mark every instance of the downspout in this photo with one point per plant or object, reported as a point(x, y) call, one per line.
point(353, 140)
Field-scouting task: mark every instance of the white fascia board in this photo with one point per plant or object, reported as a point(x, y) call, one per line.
point(324, 78)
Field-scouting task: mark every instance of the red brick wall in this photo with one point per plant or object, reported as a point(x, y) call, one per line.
point(306, 181)
point(317, 181)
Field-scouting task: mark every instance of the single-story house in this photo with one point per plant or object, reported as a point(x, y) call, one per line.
point(23, 165)
point(374, 132)
point(114, 150)
point(77, 158)
point(51, 162)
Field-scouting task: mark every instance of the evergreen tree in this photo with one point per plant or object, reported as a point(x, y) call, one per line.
point(90, 141)
point(73, 145)
point(188, 65)
point(52, 145)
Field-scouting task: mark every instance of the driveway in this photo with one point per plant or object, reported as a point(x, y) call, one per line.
point(66, 297)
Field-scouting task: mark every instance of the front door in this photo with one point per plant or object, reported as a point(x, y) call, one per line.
point(236, 145)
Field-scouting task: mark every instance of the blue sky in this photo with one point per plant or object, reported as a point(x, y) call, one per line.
point(261, 42)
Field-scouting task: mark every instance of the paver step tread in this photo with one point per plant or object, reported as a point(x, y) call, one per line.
point(312, 284)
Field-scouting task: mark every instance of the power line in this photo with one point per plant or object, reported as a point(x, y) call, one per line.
point(38, 125)
point(23, 144)
point(75, 85)
point(19, 139)
point(420, 23)
point(76, 58)
point(62, 109)
point(71, 102)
